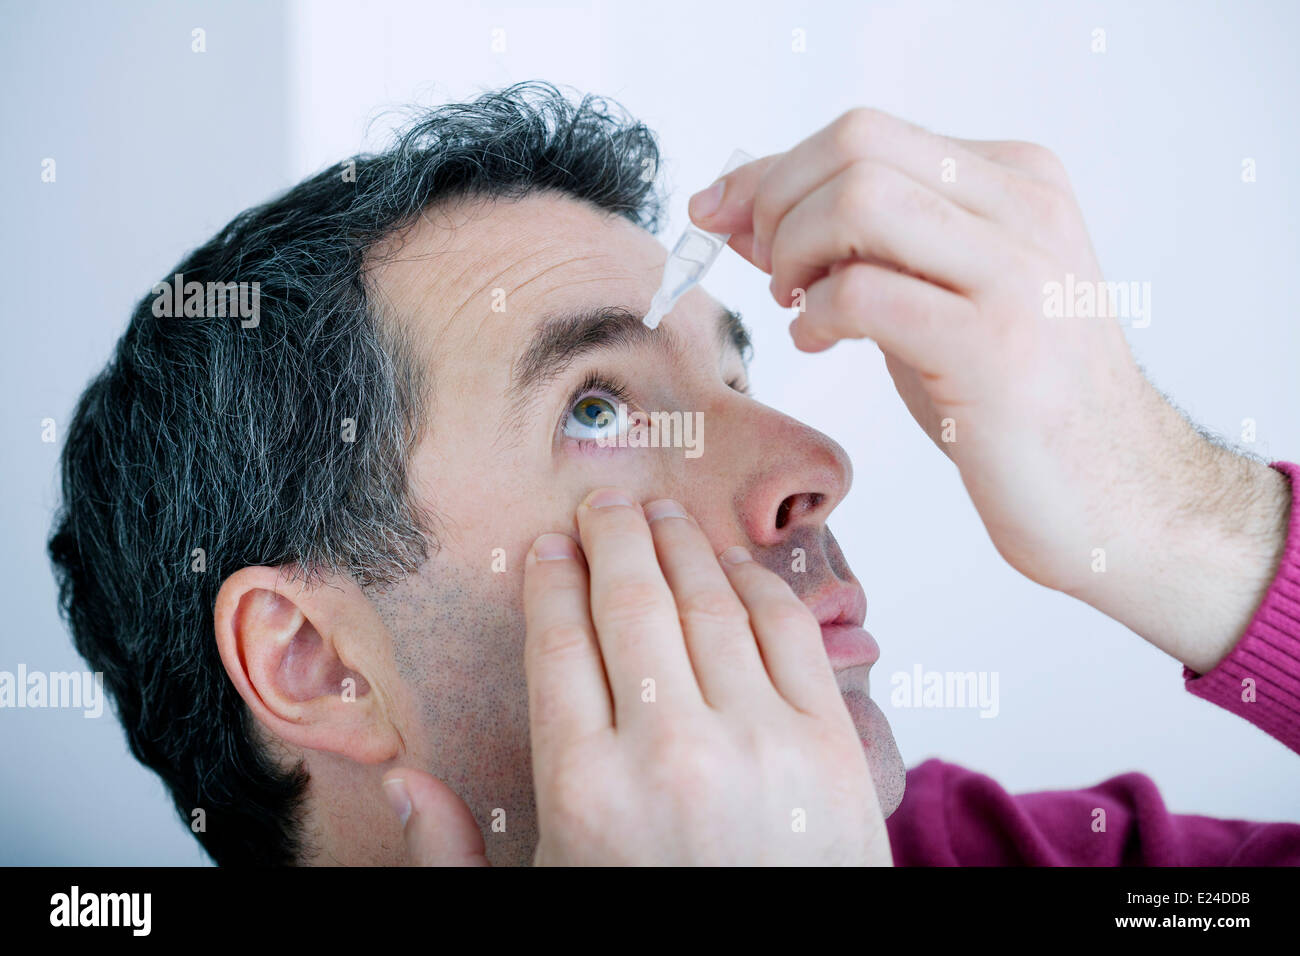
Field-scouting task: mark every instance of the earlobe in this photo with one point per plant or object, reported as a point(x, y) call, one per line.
point(299, 656)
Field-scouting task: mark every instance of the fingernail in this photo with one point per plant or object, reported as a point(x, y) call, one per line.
point(554, 547)
point(663, 508)
point(736, 555)
point(398, 798)
point(706, 202)
point(609, 498)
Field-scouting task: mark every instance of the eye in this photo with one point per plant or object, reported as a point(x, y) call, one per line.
point(592, 417)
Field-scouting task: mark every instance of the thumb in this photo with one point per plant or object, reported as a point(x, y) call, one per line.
point(439, 829)
point(727, 206)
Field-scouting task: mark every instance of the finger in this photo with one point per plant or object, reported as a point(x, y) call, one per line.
point(788, 635)
point(1044, 193)
point(743, 244)
point(568, 697)
point(633, 610)
point(912, 389)
point(1027, 159)
point(928, 327)
point(981, 186)
point(715, 623)
point(727, 205)
point(439, 829)
point(872, 211)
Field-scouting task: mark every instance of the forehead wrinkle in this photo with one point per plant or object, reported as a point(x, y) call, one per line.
point(486, 317)
point(572, 259)
point(494, 278)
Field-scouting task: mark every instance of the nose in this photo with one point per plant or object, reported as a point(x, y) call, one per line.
point(793, 479)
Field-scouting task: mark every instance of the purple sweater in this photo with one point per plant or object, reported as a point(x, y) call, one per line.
point(951, 816)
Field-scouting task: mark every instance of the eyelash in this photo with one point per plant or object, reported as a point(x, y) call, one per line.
point(596, 382)
point(599, 383)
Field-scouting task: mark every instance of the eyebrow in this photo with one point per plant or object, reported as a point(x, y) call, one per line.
point(563, 339)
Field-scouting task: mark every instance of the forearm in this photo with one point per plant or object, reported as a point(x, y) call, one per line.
point(1199, 542)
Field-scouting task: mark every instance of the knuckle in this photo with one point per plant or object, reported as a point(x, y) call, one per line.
point(854, 133)
point(926, 205)
point(848, 292)
point(782, 252)
point(790, 616)
point(1038, 160)
point(688, 764)
point(630, 598)
point(559, 640)
point(574, 803)
point(711, 608)
point(1050, 207)
point(765, 210)
point(613, 525)
point(867, 187)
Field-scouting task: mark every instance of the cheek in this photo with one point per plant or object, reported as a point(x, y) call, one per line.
point(458, 635)
point(488, 505)
point(489, 515)
point(648, 473)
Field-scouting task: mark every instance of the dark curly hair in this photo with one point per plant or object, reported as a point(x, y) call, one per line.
point(206, 433)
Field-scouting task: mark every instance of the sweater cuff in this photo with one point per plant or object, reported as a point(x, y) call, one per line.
point(1260, 678)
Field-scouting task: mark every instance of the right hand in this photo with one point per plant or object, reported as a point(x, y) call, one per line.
point(743, 754)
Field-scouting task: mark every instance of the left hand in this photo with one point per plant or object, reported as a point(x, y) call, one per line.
point(941, 250)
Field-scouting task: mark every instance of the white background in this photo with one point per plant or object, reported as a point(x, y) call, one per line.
point(1153, 132)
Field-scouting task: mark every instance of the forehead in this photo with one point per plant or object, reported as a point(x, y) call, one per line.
point(474, 278)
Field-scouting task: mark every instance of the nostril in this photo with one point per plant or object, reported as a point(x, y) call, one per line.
point(808, 503)
point(783, 513)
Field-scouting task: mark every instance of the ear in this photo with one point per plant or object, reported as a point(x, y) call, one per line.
point(309, 661)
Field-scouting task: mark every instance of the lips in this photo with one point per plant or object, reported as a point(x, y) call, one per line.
point(841, 613)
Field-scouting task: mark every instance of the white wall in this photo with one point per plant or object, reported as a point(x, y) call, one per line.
point(155, 147)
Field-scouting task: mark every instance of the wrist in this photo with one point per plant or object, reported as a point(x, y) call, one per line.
point(1193, 563)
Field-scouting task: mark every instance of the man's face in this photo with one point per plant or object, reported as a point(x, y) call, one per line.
point(519, 395)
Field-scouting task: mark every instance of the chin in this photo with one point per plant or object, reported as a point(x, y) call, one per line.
point(886, 763)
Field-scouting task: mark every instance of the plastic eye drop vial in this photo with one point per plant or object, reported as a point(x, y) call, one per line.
point(691, 257)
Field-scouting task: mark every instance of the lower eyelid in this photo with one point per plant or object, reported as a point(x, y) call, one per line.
point(588, 446)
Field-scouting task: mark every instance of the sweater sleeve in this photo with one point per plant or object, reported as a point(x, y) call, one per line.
point(951, 816)
point(1260, 679)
